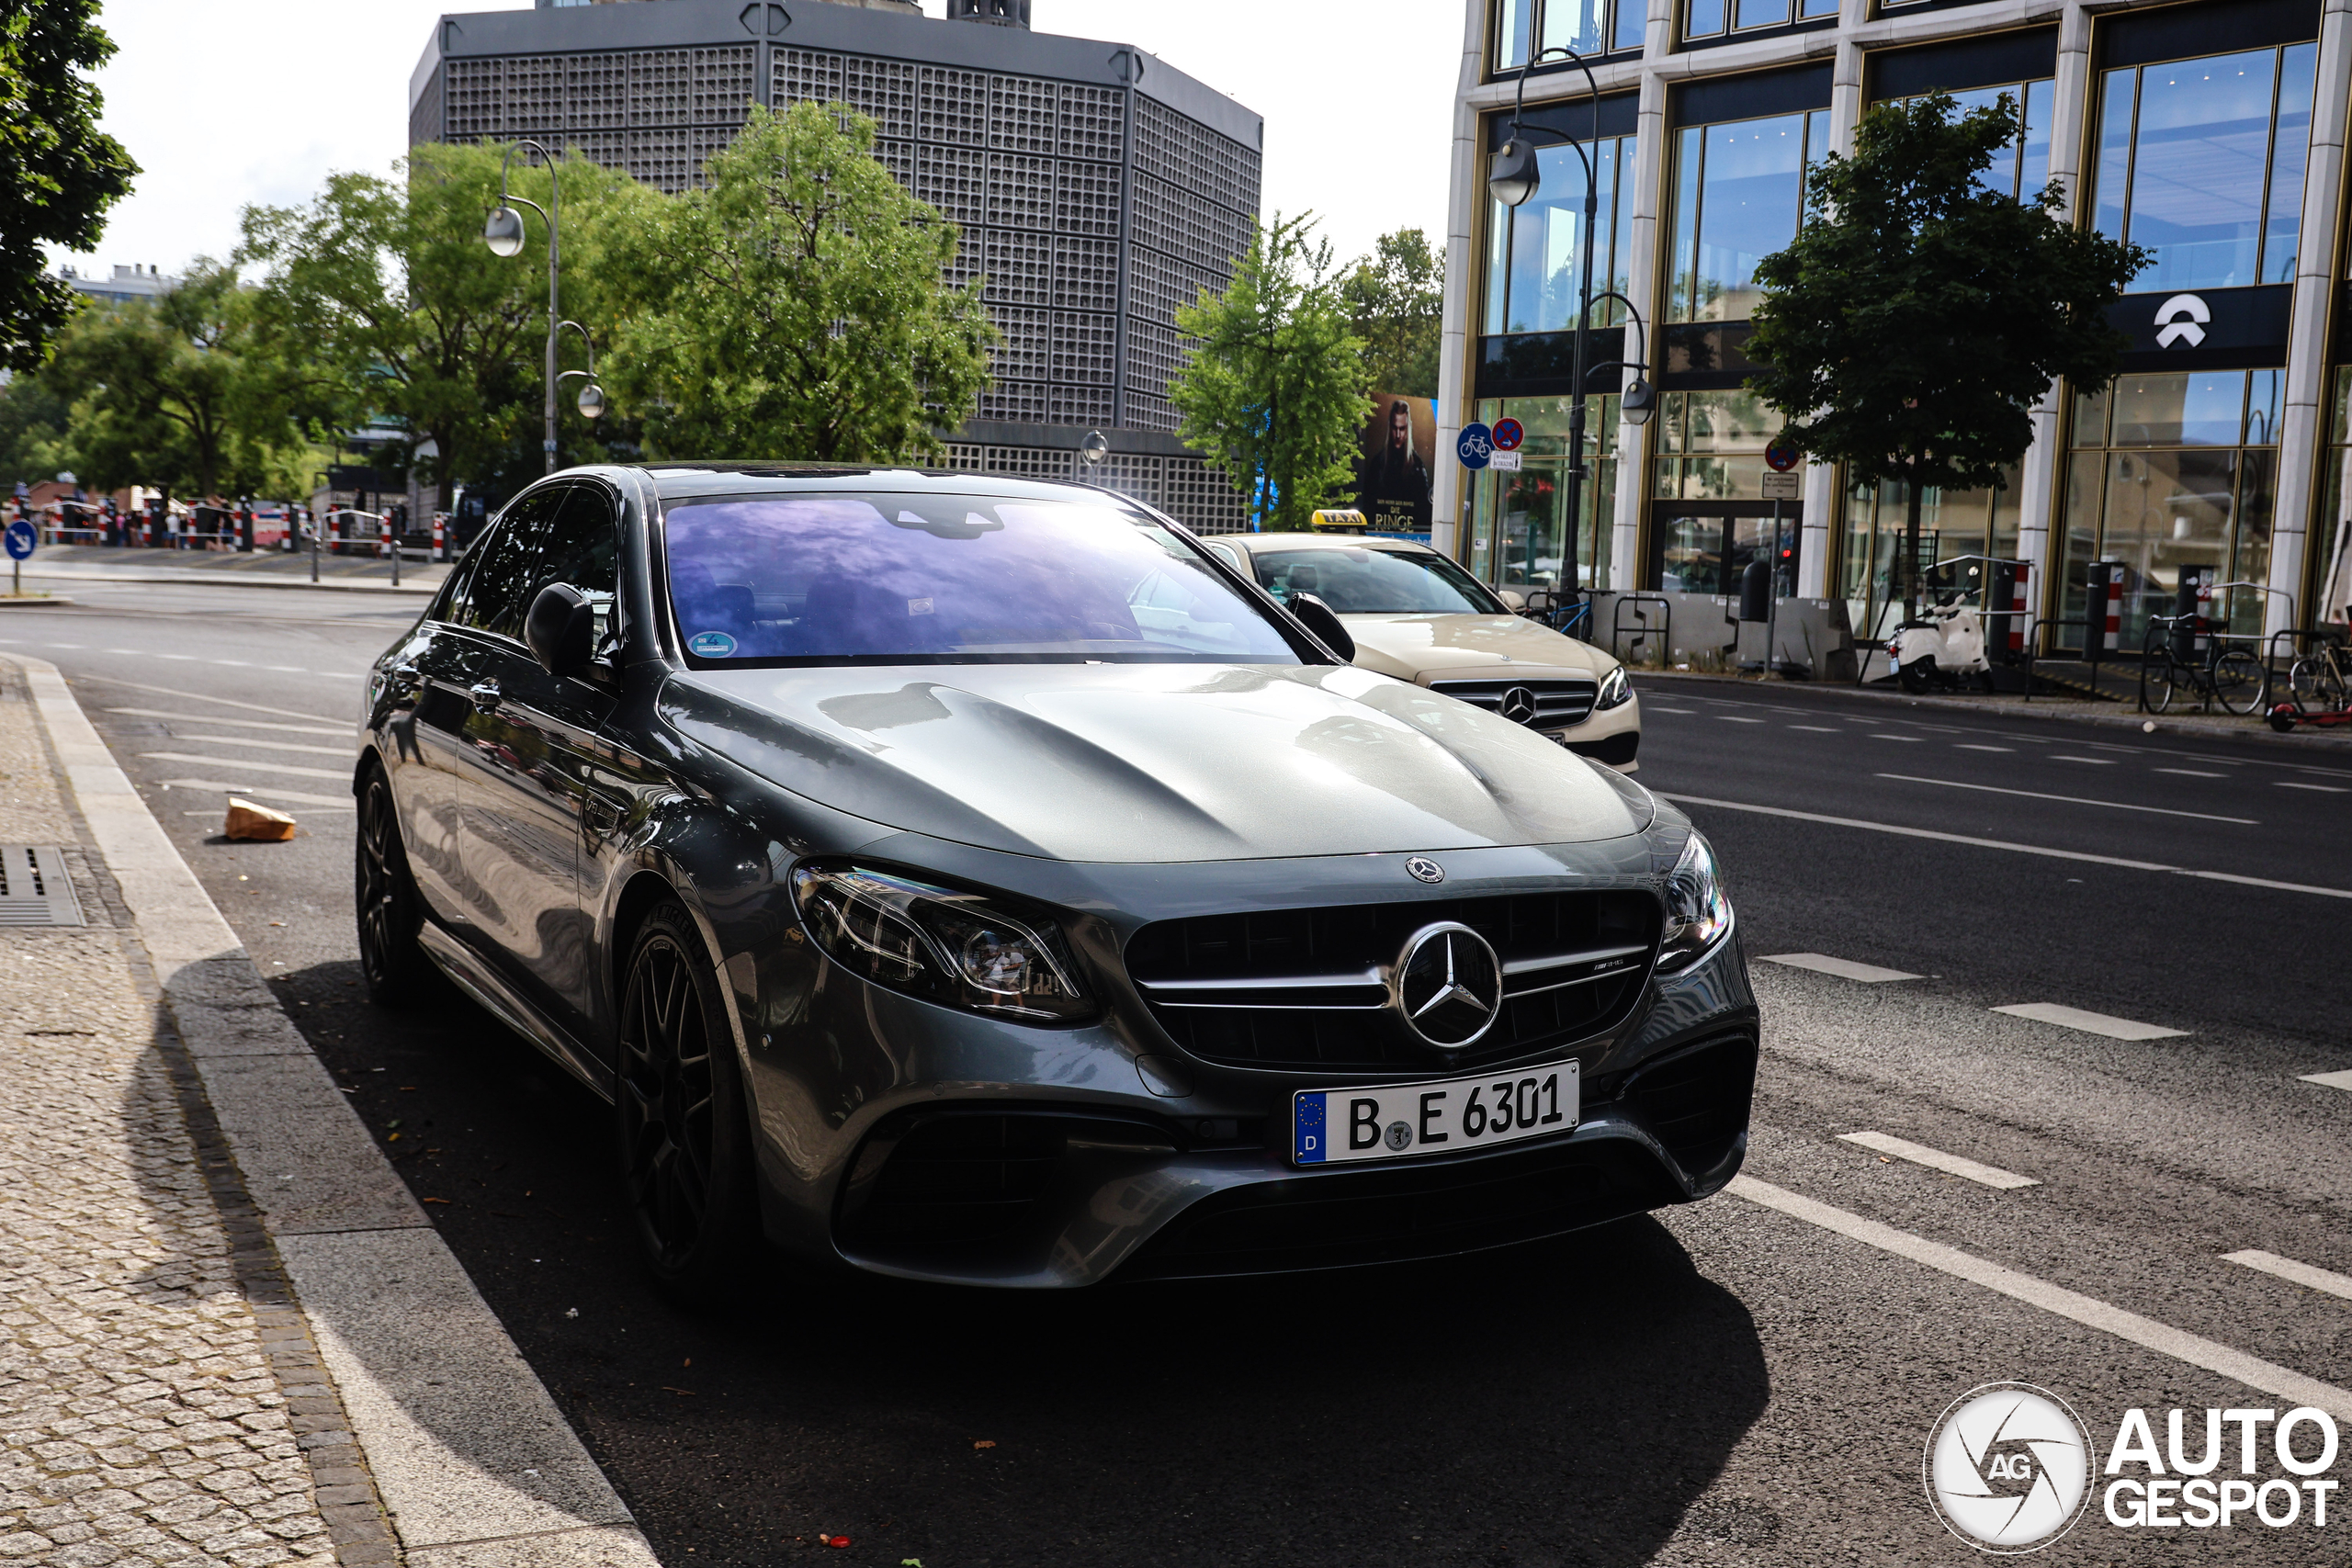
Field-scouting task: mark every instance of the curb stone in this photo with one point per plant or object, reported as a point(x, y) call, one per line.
point(412, 1407)
point(191, 575)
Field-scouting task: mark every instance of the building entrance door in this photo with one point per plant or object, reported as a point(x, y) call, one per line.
point(1705, 546)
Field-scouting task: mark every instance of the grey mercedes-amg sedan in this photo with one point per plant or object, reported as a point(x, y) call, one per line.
point(978, 880)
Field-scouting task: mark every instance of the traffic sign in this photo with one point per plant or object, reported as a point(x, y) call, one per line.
point(1505, 462)
point(1783, 486)
point(1508, 433)
point(1475, 446)
point(1782, 457)
point(20, 539)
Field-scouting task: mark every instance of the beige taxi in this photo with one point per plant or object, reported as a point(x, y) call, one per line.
point(1420, 616)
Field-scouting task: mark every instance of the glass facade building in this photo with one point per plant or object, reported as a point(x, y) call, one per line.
point(2208, 131)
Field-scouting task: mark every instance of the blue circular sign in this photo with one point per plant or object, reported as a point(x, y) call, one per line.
point(1508, 433)
point(20, 539)
point(1782, 457)
point(1478, 444)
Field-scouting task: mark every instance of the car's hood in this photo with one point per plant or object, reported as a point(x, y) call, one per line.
point(1153, 761)
point(1415, 646)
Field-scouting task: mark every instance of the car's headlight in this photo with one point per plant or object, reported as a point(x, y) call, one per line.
point(941, 945)
point(1615, 690)
point(1697, 912)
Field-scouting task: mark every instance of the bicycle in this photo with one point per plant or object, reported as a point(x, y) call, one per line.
point(2229, 675)
point(1547, 608)
point(2323, 681)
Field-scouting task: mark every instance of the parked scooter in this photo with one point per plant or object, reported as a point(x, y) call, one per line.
point(1945, 651)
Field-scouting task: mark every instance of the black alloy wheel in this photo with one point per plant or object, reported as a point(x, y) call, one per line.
point(384, 898)
point(684, 1142)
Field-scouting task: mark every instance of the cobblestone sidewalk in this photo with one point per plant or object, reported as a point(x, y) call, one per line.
point(157, 1388)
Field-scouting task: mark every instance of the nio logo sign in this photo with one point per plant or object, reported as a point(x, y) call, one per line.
point(2183, 318)
point(2008, 1466)
point(1518, 705)
point(1421, 868)
point(1448, 987)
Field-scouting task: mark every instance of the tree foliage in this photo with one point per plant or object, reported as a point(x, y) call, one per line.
point(33, 420)
point(58, 172)
point(1275, 394)
point(1919, 316)
point(176, 393)
point(797, 309)
point(1396, 299)
point(385, 288)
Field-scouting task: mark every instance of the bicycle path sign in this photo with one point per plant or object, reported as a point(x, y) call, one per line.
point(1477, 447)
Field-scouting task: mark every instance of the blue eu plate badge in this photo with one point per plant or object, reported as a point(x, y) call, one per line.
point(710, 645)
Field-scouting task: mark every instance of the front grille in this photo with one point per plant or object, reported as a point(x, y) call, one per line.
point(1696, 1102)
point(1558, 703)
point(1307, 990)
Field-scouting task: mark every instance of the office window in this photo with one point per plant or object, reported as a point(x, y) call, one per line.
point(1738, 196)
point(1519, 521)
point(1709, 19)
point(2201, 161)
point(2024, 167)
point(1535, 252)
point(2332, 535)
point(1590, 27)
point(2172, 469)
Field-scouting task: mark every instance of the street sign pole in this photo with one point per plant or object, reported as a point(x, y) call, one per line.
point(1781, 484)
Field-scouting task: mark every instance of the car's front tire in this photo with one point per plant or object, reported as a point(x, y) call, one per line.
point(685, 1152)
point(391, 912)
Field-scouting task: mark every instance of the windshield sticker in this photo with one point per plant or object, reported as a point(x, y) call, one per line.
point(710, 645)
point(918, 606)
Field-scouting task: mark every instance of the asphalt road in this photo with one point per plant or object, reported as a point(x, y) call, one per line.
point(1727, 1383)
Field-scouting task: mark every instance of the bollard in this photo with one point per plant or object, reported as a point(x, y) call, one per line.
point(440, 536)
point(2020, 599)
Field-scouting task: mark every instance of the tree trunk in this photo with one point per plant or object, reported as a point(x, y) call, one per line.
point(1911, 549)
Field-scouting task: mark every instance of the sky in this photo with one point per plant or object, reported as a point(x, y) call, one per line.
point(226, 103)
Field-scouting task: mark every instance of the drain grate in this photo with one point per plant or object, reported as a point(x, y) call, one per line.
point(35, 890)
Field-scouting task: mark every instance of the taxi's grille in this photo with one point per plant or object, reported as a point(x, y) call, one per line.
point(1307, 990)
point(1558, 703)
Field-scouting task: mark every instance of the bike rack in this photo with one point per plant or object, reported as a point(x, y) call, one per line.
point(1642, 623)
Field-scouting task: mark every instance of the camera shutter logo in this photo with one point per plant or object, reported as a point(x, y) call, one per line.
point(1448, 986)
point(2009, 1468)
point(2182, 319)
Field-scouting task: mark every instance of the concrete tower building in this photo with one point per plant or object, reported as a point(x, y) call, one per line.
point(1097, 186)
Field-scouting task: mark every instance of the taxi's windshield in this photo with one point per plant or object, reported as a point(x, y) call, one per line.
point(937, 578)
point(1355, 580)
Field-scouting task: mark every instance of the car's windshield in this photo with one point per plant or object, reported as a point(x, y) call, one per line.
point(927, 578)
point(1358, 582)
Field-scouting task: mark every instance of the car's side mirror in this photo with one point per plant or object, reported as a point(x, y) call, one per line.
point(560, 629)
point(1318, 617)
point(1513, 600)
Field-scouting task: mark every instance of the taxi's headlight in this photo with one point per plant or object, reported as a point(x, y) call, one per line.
point(1616, 690)
point(941, 943)
point(1697, 912)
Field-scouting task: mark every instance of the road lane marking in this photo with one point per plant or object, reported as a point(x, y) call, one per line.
point(269, 745)
point(339, 725)
point(2287, 1269)
point(1965, 745)
point(2090, 1023)
point(2094, 761)
point(2329, 1080)
point(236, 723)
point(2091, 1313)
point(1818, 728)
point(2073, 799)
point(2087, 859)
point(263, 791)
point(1936, 1159)
point(1844, 968)
point(287, 769)
point(1915, 739)
point(1660, 707)
point(2192, 772)
point(1735, 718)
point(2324, 789)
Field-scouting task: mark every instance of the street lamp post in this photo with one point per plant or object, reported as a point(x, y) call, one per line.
point(503, 234)
point(1512, 177)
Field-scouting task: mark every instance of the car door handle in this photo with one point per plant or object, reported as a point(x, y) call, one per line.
point(405, 674)
point(486, 695)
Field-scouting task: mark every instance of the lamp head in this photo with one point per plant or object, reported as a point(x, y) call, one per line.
point(1512, 176)
point(504, 232)
point(1639, 402)
point(591, 402)
point(1093, 449)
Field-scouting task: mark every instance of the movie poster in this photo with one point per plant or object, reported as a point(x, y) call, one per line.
point(1393, 472)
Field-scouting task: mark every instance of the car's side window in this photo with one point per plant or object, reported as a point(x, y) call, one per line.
point(581, 550)
point(498, 591)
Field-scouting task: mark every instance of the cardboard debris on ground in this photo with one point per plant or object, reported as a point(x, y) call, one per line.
point(257, 824)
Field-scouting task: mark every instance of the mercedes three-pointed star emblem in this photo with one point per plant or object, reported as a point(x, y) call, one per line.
point(1518, 705)
point(1448, 985)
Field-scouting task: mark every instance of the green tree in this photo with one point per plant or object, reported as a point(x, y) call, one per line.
point(1275, 395)
point(385, 289)
point(1909, 329)
point(58, 172)
point(797, 307)
point(1396, 299)
point(173, 394)
point(33, 419)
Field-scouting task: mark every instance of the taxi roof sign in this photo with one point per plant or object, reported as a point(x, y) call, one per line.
point(1338, 520)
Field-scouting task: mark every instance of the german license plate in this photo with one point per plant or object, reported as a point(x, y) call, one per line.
point(1331, 1126)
